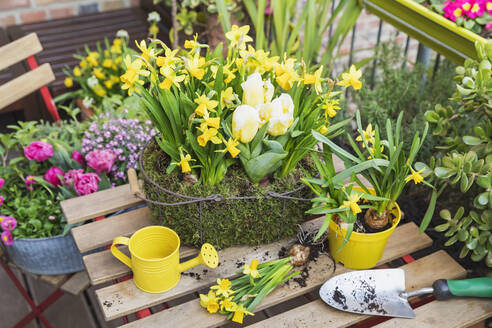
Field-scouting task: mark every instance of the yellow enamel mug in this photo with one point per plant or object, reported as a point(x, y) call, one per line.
point(154, 258)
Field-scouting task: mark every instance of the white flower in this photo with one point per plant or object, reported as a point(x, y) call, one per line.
point(87, 102)
point(245, 123)
point(92, 81)
point(256, 91)
point(268, 91)
point(280, 114)
point(154, 17)
point(122, 34)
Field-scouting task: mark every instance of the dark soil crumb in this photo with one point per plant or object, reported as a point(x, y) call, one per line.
point(300, 281)
point(239, 264)
point(340, 298)
point(192, 275)
point(205, 271)
point(282, 252)
point(107, 304)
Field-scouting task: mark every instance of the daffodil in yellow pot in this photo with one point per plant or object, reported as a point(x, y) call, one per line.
point(361, 217)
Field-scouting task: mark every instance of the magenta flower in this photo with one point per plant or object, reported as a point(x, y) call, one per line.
point(86, 184)
point(29, 181)
point(268, 8)
point(452, 10)
point(2, 199)
point(8, 223)
point(2, 182)
point(52, 176)
point(488, 26)
point(78, 157)
point(38, 151)
point(71, 176)
point(101, 160)
point(7, 238)
point(476, 10)
point(488, 7)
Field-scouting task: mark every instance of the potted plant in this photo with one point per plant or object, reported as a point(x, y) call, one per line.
point(358, 233)
point(451, 31)
point(48, 170)
point(97, 76)
point(233, 135)
point(463, 161)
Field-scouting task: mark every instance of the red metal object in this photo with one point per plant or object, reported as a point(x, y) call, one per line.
point(45, 93)
point(37, 310)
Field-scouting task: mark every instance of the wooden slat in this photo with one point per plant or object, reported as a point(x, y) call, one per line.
point(405, 239)
point(19, 50)
point(124, 298)
point(101, 233)
point(55, 280)
point(25, 84)
point(82, 208)
point(418, 274)
point(77, 283)
point(103, 266)
point(456, 313)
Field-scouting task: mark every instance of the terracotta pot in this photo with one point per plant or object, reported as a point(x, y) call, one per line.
point(86, 112)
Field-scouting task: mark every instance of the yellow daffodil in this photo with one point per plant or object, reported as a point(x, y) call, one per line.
point(286, 74)
point(170, 78)
point(213, 122)
point(331, 107)
point(117, 42)
point(195, 65)
point(258, 60)
point(239, 36)
point(372, 151)
point(227, 304)
point(99, 90)
point(205, 105)
point(68, 82)
point(118, 60)
point(107, 63)
point(132, 74)
point(92, 58)
point(193, 45)
point(415, 176)
point(239, 312)
point(169, 59)
point(147, 53)
point(226, 71)
point(208, 134)
point(153, 30)
point(227, 97)
point(76, 71)
point(210, 302)
point(83, 64)
point(252, 269)
point(98, 73)
point(351, 78)
point(245, 123)
point(223, 288)
point(185, 162)
point(369, 134)
point(351, 203)
point(231, 147)
point(106, 53)
point(108, 84)
point(315, 79)
point(114, 79)
point(323, 129)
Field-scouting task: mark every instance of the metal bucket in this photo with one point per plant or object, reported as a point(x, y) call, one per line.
point(50, 256)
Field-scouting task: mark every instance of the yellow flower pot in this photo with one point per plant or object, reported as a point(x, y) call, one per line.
point(363, 250)
point(155, 258)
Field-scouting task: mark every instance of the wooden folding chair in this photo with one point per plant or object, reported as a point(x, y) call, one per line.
point(37, 78)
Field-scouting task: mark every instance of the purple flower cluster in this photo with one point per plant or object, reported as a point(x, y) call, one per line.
point(125, 137)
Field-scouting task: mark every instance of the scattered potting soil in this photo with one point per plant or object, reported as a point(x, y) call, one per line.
point(340, 298)
point(239, 264)
point(192, 275)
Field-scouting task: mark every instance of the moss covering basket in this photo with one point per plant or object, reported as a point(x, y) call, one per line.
point(233, 212)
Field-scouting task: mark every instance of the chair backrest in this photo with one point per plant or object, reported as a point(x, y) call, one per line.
point(29, 82)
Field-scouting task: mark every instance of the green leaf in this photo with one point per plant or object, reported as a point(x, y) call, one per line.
point(472, 141)
point(324, 226)
point(429, 213)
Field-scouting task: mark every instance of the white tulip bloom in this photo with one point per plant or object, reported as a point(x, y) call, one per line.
point(245, 123)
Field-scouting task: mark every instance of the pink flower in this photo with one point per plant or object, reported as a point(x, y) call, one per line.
point(7, 238)
point(453, 10)
point(78, 157)
point(2, 182)
point(29, 181)
point(52, 176)
point(268, 8)
point(101, 160)
point(71, 176)
point(39, 151)
point(476, 10)
point(488, 26)
point(488, 7)
point(2, 199)
point(8, 223)
point(86, 184)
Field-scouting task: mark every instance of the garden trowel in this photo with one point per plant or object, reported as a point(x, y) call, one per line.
point(382, 292)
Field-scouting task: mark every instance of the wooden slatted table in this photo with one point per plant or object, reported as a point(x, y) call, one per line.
point(123, 298)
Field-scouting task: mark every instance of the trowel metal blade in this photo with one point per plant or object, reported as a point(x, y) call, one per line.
point(373, 292)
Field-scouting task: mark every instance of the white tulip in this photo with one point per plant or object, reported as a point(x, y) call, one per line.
point(245, 123)
point(281, 115)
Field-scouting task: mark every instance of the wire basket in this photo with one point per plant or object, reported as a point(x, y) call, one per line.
point(258, 215)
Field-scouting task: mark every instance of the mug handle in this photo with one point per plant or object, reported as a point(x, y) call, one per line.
point(118, 254)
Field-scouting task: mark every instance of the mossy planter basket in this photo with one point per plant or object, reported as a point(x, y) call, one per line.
point(48, 256)
point(233, 212)
point(363, 250)
point(430, 28)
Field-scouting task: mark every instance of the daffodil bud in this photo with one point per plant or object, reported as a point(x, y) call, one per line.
point(281, 115)
point(245, 123)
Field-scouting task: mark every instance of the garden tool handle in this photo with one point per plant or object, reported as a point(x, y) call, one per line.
point(476, 287)
point(190, 263)
point(133, 180)
point(118, 254)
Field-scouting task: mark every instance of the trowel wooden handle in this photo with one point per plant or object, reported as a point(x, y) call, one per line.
point(476, 287)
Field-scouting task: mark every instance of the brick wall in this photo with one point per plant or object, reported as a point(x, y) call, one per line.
point(14, 12)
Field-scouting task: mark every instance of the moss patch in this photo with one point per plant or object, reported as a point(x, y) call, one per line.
point(230, 222)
